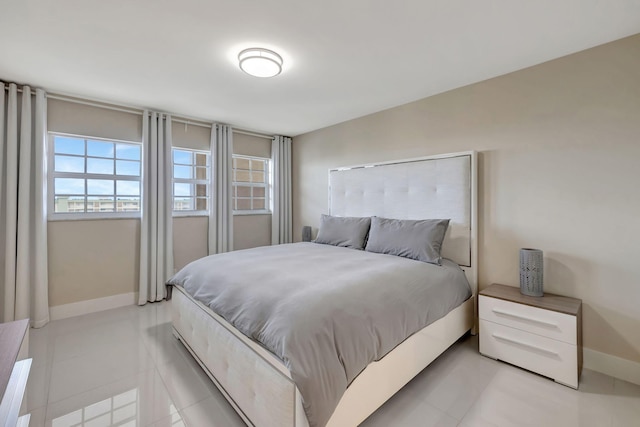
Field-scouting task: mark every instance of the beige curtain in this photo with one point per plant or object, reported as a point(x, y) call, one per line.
point(23, 216)
point(221, 212)
point(281, 221)
point(156, 225)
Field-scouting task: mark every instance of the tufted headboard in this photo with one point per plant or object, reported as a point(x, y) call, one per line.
point(441, 186)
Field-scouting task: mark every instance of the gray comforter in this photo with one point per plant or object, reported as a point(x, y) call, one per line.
point(325, 311)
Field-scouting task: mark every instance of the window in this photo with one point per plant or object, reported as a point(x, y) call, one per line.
point(92, 177)
point(250, 185)
point(191, 172)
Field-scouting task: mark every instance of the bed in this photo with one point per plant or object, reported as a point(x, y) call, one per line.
point(259, 385)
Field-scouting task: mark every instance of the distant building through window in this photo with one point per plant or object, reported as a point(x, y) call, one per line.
point(191, 177)
point(250, 184)
point(91, 176)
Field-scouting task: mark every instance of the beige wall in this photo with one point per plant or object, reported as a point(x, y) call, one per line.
point(190, 234)
point(250, 231)
point(99, 258)
point(558, 170)
point(190, 239)
point(92, 259)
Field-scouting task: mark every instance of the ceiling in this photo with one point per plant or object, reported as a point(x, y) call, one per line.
point(343, 58)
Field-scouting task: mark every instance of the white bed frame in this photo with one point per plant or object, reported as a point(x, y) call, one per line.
point(259, 386)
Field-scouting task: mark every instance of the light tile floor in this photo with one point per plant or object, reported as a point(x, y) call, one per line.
point(123, 367)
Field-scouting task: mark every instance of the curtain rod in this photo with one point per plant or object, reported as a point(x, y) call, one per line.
point(19, 89)
point(258, 135)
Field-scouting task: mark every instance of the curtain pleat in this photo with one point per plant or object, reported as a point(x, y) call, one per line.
point(281, 219)
point(23, 227)
point(220, 188)
point(156, 225)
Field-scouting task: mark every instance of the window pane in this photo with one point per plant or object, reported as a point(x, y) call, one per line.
point(128, 151)
point(241, 163)
point(257, 165)
point(93, 164)
point(243, 191)
point(67, 145)
point(257, 177)
point(125, 167)
point(201, 173)
point(201, 190)
point(182, 157)
point(258, 191)
point(180, 189)
point(68, 186)
point(243, 204)
point(258, 203)
point(182, 172)
point(100, 204)
point(128, 188)
point(100, 166)
point(201, 159)
point(127, 204)
point(100, 149)
point(202, 204)
point(250, 183)
point(69, 164)
point(100, 186)
point(242, 176)
point(183, 204)
point(69, 204)
point(190, 166)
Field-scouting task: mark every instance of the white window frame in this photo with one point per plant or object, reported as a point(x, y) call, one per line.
point(267, 186)
point(52, 174)
point(194, 181)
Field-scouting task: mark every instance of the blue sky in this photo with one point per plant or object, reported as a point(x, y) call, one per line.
point(110, 158)
point(106, 158)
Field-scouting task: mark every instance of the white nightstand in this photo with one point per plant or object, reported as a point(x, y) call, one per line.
point(541, 334)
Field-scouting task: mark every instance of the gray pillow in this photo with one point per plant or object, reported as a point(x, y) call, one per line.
point(416, 239)
point(349, 232)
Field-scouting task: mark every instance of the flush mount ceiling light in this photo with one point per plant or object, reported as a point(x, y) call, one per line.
point(260, 62)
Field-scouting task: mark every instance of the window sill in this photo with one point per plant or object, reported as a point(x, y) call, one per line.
point(265, 212)
point(90, 217)
point(186, 214)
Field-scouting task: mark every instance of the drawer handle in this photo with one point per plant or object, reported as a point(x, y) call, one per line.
point(524, 344)
point(529, 319)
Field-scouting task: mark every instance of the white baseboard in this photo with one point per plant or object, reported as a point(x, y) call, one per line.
point(79, 308)
point(613, 366)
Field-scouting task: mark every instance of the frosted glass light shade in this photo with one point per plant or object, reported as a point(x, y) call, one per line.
point(260, 62)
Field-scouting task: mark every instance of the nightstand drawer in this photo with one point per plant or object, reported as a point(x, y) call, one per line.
point(547, 323)
point(543, 355)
